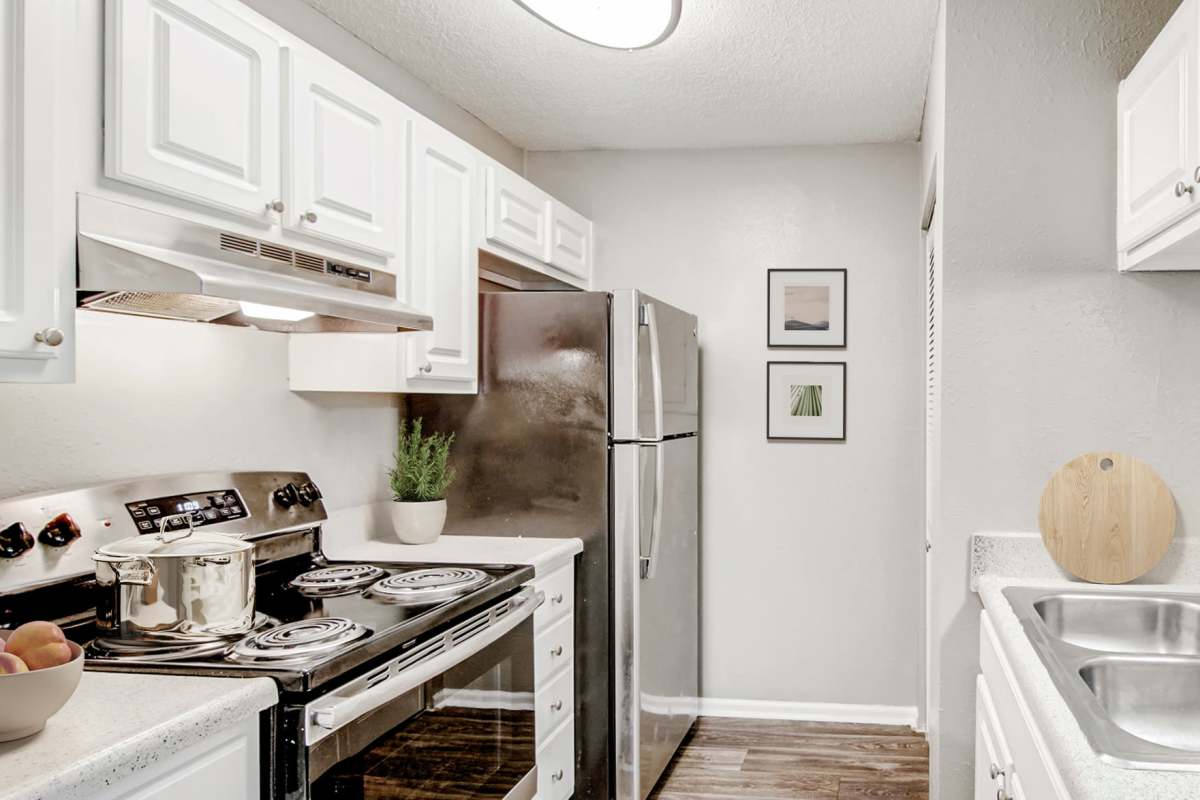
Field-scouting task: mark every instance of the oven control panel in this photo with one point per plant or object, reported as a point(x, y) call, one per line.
point(206, 508)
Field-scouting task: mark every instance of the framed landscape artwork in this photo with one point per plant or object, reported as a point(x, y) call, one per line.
point(806, 308)
point(806, 400)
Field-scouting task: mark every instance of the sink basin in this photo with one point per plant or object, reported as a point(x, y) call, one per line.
point(1156, 699)
point(1128, 666)
point(1123, 623)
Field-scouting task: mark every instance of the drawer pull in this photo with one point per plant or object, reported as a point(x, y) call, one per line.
point(996, 772)
point(557, 651)
point(558, 598)
point(557, 775)
point(556, 705)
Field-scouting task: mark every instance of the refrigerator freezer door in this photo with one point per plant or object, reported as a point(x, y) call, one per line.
point(656, 369)
point(655, 607)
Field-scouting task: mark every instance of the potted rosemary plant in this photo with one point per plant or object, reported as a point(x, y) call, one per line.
point(419, 481)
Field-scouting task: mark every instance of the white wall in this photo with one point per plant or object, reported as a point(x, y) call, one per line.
point(154, 396)
point(810, 552)
point(318, 30)
point(1048, 351)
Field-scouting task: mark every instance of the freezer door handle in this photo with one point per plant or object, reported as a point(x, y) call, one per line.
point(649, 562)
point(656, 379)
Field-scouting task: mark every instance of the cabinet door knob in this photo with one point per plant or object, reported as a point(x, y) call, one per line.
point(51, 336)
point(1002, 795)
point(996, 772)
point(558, 598)
point(277, 206)
point(1196, 175)
point(309, 216)
point(426, 368)
point(557, 775)
point(558, 651)
point(556, 705)
point(1182, 188)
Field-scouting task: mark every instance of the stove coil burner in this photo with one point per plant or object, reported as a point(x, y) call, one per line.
point(163, 646)
point(342, 579)
point(431, 585)
point(300, 640)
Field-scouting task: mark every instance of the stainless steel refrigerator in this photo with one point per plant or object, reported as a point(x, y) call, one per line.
point(586, 425)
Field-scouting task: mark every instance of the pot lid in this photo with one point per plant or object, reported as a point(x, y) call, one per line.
point(196, 544)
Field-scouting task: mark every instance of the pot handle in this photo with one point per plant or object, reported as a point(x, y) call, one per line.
point(131, 570)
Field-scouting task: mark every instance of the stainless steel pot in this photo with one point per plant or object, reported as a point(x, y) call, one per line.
point(181, 583)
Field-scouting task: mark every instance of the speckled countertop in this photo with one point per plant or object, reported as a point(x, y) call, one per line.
point(364, 534)
point(117, 724)
point(995, 559)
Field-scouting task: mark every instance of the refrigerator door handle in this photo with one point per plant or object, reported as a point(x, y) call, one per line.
point(651, 317)
point(649, 563)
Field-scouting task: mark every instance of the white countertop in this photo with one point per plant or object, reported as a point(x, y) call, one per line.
point(117, 724)
point(364, 534)
point(995, 559)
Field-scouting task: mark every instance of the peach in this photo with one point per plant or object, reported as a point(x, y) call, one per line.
point(39, 645)
point(10, 664)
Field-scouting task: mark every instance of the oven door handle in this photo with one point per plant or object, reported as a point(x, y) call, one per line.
point(326, 715)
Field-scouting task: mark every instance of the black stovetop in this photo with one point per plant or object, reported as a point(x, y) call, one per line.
point(392, 626)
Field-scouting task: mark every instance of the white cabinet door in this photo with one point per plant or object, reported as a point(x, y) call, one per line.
point(346, 145)
point(992, 761)
point(1159, 132)
point(571, 242)
point(517, 214)
point(225, 766)
point(192, 98)
point(445, 263)
point(37, 201)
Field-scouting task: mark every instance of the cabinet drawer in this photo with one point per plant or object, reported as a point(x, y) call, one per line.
point(554, 703)
point(553, 649)
point(559, 588)
point(556, 765)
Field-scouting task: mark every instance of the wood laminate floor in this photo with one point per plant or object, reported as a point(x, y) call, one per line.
point(755, 759)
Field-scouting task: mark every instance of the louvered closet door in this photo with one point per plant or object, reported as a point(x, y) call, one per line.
point(933, 425)
point(192, 96)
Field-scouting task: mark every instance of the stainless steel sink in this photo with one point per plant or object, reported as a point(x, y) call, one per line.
point(1128, 666)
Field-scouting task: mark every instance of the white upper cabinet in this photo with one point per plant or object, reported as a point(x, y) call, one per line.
point(527, 226)
point(37, 199)
point(570, 242)
point(517, 214)
point(193, 104)
point(444, 262)
point(1159, 132)
point(346, 140)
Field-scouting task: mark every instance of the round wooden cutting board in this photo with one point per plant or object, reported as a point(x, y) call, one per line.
point(1107, 517)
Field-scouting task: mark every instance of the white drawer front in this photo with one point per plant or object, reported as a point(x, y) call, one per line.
point(559, 588)
point(553, 649)
point(554, 703)
point(556, 765)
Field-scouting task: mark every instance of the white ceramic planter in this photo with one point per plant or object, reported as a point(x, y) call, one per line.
point(418, 523)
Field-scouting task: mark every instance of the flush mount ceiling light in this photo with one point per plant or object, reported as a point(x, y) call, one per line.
point(620, 24)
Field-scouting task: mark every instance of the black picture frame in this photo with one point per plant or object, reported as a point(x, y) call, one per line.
point(845, 278)
point(845, 389)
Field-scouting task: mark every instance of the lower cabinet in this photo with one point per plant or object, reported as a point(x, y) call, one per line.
point(225, 765)
point(1011, 758)
point(554, 684)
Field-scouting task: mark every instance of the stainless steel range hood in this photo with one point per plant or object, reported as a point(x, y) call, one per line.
point(134, 261)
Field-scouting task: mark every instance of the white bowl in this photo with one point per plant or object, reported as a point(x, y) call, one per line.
point(28, 699)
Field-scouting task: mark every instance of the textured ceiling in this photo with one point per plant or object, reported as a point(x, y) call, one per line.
point(735, 72)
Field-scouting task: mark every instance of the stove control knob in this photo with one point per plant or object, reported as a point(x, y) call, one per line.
point(308, 493)
point(14, 540)
point(59, 531)
point(286, 496)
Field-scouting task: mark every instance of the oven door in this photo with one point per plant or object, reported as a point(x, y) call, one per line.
point(452, 718)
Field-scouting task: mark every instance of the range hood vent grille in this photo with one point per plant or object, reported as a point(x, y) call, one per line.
point(191, 307)
point(239, 244)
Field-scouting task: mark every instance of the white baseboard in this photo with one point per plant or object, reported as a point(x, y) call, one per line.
point(808, 712)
